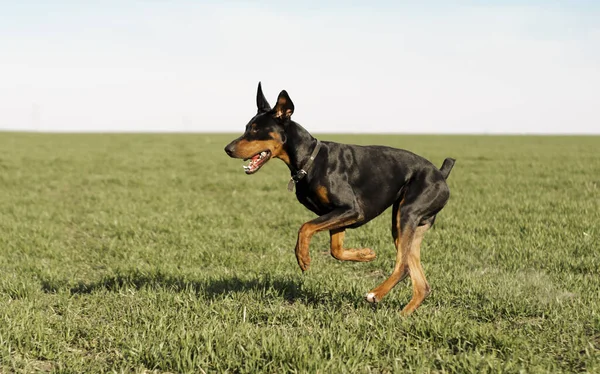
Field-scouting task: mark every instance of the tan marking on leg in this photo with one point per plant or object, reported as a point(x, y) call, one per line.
point(400, 269)
point(302, 254)
point(308, 229)
point(402, 242)
point(417, 276)
point(396, 223)
point(338, 251)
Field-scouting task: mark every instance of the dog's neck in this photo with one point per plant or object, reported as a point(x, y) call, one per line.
point(299, 146)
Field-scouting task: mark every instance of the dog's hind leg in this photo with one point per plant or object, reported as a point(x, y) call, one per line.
point(402, 243)
point(422, 211)
point(412, 217)
point(343, 254)
point(417, 276)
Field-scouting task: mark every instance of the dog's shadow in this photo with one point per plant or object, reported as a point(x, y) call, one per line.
point(290, 288)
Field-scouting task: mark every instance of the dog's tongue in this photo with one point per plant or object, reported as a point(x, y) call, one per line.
point(253, 163)
point(253, 160)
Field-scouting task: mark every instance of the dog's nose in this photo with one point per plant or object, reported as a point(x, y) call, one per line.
point(229, 150)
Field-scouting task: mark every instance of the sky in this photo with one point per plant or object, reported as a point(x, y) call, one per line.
point(349, 66)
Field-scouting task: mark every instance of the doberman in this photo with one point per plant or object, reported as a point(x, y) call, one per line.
point(347, 186)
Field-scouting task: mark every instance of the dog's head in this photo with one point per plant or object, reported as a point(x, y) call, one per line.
point(265, 136)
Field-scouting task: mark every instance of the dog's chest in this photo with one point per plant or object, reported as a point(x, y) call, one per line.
point(314, 199)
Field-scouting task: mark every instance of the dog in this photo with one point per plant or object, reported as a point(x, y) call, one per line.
point(347, 186)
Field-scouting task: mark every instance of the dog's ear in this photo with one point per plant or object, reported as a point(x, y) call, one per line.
point(261, 103)
point(284, 107)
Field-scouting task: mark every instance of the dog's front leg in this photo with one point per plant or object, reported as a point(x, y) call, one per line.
point(336, 219)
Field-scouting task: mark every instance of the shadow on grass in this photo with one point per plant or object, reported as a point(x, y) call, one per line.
point(290, 288)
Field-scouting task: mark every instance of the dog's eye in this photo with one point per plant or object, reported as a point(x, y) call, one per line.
point(253, 130)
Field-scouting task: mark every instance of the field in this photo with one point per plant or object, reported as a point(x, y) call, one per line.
point(156, 253)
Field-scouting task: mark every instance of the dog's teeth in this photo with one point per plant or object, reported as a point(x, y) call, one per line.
point(263, 154)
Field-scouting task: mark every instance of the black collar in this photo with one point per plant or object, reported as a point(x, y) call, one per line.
point(304, 171)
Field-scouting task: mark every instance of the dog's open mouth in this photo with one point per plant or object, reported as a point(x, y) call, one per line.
point(257, 161)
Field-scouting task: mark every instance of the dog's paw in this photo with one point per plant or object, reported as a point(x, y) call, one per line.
point(371, 297)
point(304, 265)
point(366, 254)
point(303, 262)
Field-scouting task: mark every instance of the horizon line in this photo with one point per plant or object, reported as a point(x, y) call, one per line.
point(92, 132)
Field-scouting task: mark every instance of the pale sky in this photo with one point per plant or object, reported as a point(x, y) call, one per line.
point(349, 66)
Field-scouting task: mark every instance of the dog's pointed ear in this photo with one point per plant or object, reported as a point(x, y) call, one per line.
point(284, 107)
point(261, 103)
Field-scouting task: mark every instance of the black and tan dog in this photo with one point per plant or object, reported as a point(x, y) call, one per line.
point(347, 186)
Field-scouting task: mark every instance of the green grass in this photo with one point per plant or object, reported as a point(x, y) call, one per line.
point(140, 253)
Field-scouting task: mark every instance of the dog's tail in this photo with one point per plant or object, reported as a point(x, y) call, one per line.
point(447, 167)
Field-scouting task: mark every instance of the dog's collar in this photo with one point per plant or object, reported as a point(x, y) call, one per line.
point(304, 171)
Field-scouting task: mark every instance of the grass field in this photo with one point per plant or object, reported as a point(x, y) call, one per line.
point(141, 253)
